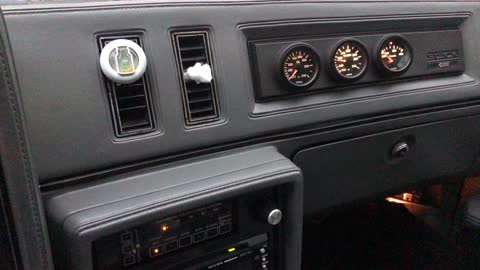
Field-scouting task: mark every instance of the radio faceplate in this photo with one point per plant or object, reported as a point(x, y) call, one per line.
point(209, 236)
point(169, 235)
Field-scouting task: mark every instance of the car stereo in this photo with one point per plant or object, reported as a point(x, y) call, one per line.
point(169, 235)
point(222, 235)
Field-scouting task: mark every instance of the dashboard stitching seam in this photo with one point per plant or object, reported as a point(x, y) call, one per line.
point(151, 206)
point(52, 10)
point(149, 193)
point(27, 166)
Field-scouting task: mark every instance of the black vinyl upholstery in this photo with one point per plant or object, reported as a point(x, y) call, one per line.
point(472, 213)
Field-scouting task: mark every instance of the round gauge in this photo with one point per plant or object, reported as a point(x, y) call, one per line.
point(300, 66)
point(394, 55)
point(350, 60)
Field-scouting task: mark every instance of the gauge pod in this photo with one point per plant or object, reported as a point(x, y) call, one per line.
point(300, 66)
point(394, 55)
point(349, 60)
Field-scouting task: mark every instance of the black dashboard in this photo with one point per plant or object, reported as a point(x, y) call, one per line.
point(78, 100)
point(147, 125)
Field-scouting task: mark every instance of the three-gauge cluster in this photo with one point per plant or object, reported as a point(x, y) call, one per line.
point(301, 66)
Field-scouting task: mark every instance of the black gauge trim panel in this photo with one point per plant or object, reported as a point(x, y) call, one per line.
point(424, 43)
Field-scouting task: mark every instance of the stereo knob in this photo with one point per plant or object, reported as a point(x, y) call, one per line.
point(400, 150)
point(275, 217)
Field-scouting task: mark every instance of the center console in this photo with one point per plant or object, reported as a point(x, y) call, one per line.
point(239, 211)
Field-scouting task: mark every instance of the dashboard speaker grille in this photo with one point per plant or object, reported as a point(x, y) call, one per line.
point(199, 99)
point(130, 103)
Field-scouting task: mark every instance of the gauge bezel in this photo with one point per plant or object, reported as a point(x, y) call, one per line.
point(316, 58)
point(385, 70)
point(337, 75)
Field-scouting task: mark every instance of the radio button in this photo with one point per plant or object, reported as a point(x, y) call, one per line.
point(157, 250)
point(185, 241)
point(171, 246)
point(129, 260)
point(127, 248)
point(198, 237)
point(212, 232)
point(225, 228)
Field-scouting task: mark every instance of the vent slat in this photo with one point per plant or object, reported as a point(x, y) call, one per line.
point(131, 85)
point(131, 102)
point(199, 94)
point(200, 106)
point(201, 116)
point(198, 90)
point(131, 109)
point(201, 58)
point(200, 100)
point(140, 124)
point(125, 91)
point(131, 97)
point(200, 110)
point(192, 48)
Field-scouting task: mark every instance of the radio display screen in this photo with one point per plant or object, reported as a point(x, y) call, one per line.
point(241, 262)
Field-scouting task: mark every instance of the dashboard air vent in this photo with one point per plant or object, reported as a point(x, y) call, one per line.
point(130, 103)
point(199, 99)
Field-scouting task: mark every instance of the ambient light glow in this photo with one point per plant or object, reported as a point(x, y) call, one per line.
point(399, 201)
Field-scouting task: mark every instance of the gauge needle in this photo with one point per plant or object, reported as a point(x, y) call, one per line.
point(390, 60)
point(293, 74)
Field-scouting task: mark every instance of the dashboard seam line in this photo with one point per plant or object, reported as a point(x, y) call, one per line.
point(150, 206)
point(28, 168)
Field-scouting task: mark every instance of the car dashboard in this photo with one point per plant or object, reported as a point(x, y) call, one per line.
point(200, 134)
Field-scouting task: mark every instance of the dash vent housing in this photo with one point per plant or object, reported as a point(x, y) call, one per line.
point(200, 100)
point(131, 105)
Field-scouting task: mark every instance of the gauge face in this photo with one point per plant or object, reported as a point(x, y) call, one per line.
point(350, 60)
point(300, 66)
point(394, 55)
